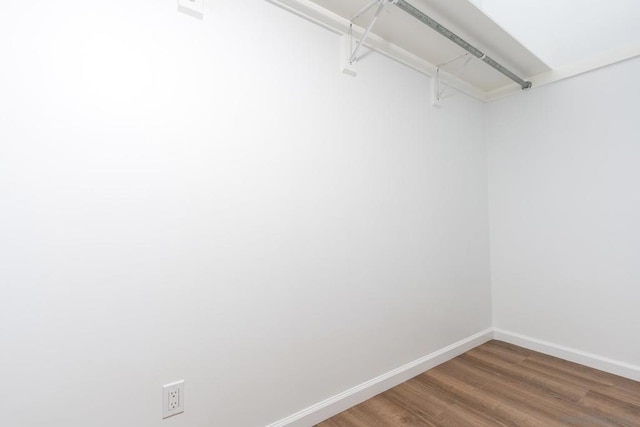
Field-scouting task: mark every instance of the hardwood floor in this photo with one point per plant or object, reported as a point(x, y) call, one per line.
point(499, 384)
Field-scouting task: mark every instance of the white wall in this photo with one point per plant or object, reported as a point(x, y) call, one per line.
point(565, 209)
point(211, 200)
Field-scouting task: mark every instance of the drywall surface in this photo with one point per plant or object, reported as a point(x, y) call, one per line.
point(564, 209)
point(213, 201)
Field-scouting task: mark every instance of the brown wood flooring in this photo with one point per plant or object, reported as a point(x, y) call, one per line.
point(499, 384)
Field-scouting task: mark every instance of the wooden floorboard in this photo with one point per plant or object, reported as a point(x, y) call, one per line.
point(500, 384)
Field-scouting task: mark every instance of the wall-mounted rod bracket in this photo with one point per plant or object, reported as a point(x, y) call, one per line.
point(349, 55)
point(376, 15)
point(437, 95)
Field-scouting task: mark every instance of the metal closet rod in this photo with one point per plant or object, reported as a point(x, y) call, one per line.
point(402, 4)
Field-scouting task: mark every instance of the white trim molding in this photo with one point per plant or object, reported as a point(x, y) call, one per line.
point(595, 361)
point(358, 394)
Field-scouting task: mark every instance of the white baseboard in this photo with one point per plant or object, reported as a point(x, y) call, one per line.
point(358, 394)
point(616, 367)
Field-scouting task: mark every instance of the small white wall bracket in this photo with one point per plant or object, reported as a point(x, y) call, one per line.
point(346, 47)
point(194, 8)
point(435, 89)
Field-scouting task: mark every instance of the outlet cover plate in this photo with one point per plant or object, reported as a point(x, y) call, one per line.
point(193, 8)
point(172, 399)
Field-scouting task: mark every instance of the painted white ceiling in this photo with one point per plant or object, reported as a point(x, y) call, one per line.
point(538, 40)
point(562, 32)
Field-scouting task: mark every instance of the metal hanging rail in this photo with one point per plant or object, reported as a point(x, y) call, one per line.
point(402, 4)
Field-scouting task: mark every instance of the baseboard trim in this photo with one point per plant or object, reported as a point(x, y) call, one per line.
point(358, 394)
point(616, 367)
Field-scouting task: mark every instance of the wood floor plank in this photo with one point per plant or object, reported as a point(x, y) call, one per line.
point(412, 395)
point(564, 376)
point(546, 383)
point(621, 395)
point(499, 384)
point(380, 412)
point(511, 347)
point(614, 410)
point(525, 397)
point(461, 416)
point(608, 380)
point(471, 396)
point(500, 353)
point(455, 412)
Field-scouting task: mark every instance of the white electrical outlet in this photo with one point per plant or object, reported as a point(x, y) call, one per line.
point(193, 8)
point(172, 399)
